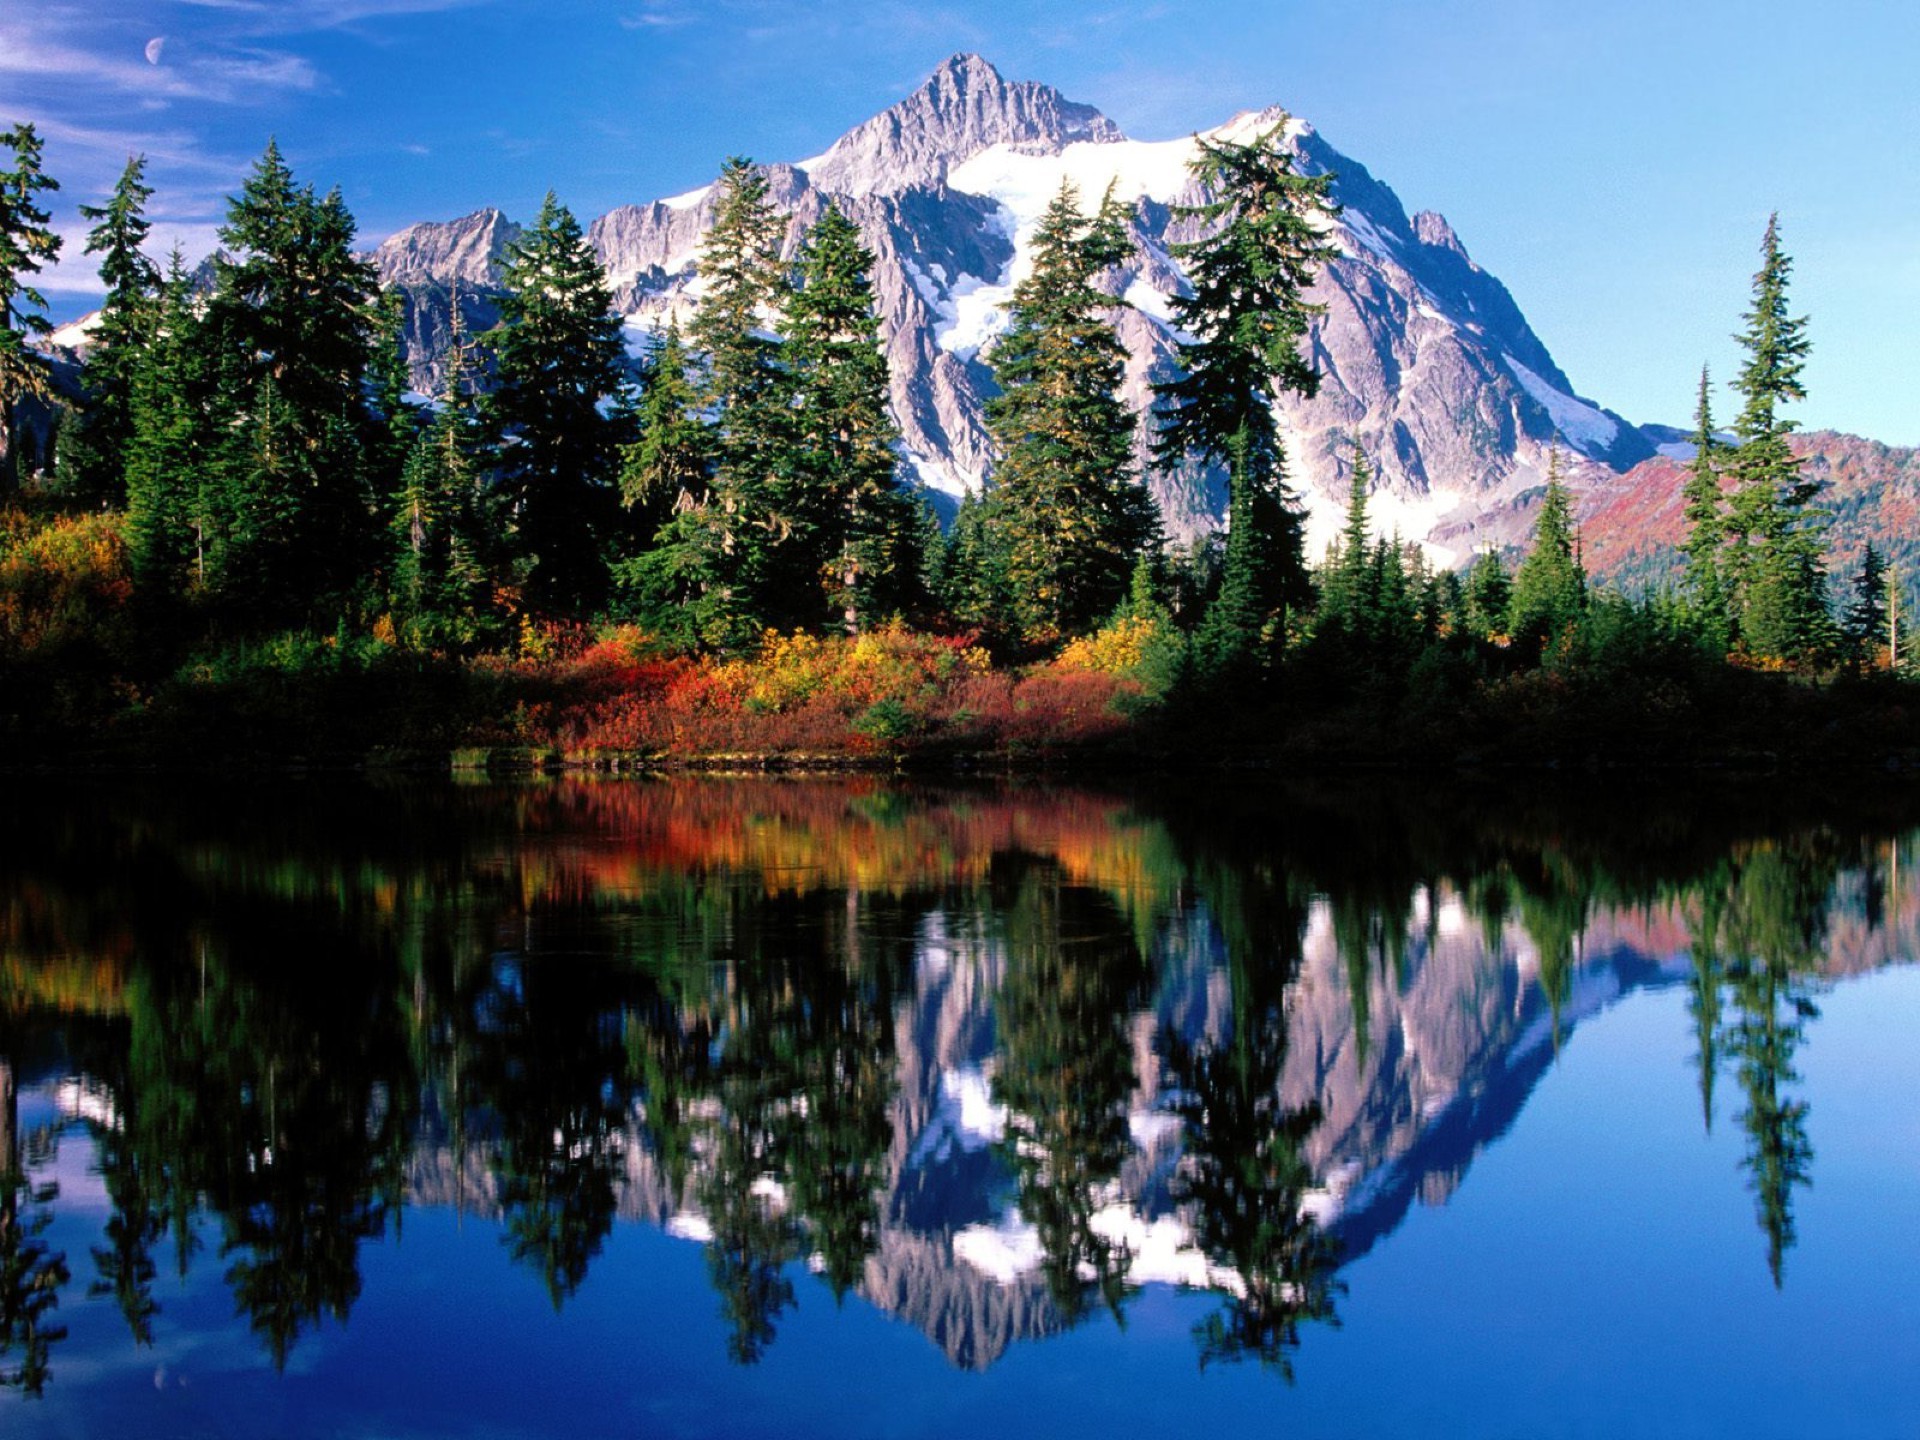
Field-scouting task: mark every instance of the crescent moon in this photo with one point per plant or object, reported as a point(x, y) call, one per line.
point(154, 47)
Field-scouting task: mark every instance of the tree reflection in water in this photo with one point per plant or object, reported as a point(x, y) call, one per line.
point(31, 1274)
point(709, 1003)
point(1244, 1173)
point(1065, 1072)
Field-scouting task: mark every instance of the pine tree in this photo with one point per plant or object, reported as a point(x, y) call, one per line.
point(395, 422)
point(1063, 496)
point(166, 452)
point(95, 459)
point(287, 336)
point(667, 465)
point(1262, 242)
point(714, 564)
point(1343, 600)
point(437, 519)
point(558, 359)
point(1550, 587)
point(860, 558)
point(973, 588)
point(1706, 527)
point(1489, 598)
point(1865, 626)
point(1776, 579)
point(27, 245)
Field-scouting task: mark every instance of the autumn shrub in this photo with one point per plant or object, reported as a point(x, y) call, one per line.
point(1148, 650)
point(64, 580)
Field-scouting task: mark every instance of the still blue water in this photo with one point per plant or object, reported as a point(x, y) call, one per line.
point(1546, 1224)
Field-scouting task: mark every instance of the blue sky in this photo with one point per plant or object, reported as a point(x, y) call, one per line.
point(1614, 164)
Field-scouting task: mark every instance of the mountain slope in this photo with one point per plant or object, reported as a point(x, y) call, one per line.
point(1426, 359)
point(1632, 525)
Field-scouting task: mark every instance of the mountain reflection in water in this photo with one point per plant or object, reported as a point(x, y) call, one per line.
point(990, 1058)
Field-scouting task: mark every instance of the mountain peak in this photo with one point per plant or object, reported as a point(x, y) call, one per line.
point(964, 67)
point(965, 106)
point(470, 249)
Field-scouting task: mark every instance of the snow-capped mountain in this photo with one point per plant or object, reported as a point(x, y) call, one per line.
point(1425, 358)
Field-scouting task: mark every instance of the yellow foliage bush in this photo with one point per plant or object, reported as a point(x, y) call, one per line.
point(1120, 649)
point(61, 578)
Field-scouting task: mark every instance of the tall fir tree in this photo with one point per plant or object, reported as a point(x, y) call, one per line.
point(667, 465)
point(166, 453)
point(1776, 576)
point(1550, 587)
point(437, 516)
point(1706, 525)
point(1344, 595)
point(27, 245)
point(94, 459)
point(558, 363)
point(1489, 596)
point(861, 559)
point(395, 421)
point(1262, 240)
point(1864, 628)
point(290, 522)
point(1071, 517)
point(713, 569)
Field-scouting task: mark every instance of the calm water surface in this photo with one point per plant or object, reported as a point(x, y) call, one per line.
point(742, 1108)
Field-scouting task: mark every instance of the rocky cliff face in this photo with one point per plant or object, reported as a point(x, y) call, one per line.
point(1426, 360)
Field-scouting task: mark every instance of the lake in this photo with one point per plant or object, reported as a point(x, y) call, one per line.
point(759, 1107)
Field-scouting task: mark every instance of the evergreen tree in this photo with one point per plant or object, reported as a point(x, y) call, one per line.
point(27, 245)
point(96, 458)
point(1865, 626)
point(1706, 529)
point(395, 422)
point(668, 464)
point(287, 336)
point(558, 360)
point(1343, 599)
point(713, 566)
point(1776, 577)
point(1261, 243)
point(860, 553)
point(437, 517)
point(1071, 517)
point(1550, 587)
point(166, 451)
point(1489, 597)
point(974, 589)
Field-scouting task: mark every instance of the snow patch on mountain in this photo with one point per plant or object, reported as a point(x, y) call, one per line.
point(1583, 424)
point(76, 334)
point(1026, 183)
point(1362, 229)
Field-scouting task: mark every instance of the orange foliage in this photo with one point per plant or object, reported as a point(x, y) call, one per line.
point(60, 579)
point(885, 692)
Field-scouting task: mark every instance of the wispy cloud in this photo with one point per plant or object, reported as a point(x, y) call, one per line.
point(656, 17)
point(293, 17)
point(186, 72)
